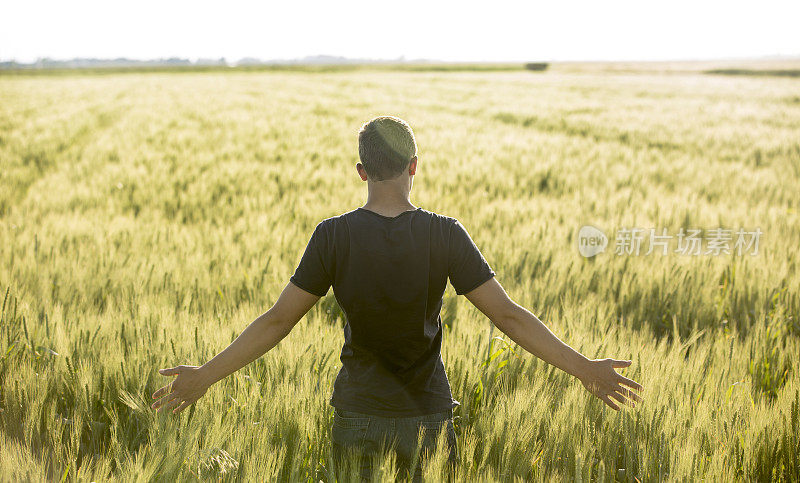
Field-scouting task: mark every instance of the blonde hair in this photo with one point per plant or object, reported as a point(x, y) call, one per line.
point(386, 145)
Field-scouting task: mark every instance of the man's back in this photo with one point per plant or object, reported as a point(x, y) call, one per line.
point(389, 275)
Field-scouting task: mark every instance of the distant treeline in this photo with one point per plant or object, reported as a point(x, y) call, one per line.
point(178, 68)
point(90, 63)
point(536, 66)
point(759, 72)
point(315, 63)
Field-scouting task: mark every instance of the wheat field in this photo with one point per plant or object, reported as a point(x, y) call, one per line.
point(147, 218)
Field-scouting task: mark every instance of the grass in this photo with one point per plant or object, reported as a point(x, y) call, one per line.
point(146, 218)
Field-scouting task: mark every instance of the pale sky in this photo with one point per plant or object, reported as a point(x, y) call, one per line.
point(495, 30)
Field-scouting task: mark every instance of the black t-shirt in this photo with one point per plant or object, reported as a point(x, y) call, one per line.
point(389, 275)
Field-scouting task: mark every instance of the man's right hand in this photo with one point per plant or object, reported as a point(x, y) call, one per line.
point(524, 328)
point(600, 379)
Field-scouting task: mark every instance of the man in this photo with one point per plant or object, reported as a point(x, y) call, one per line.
point(388, 263)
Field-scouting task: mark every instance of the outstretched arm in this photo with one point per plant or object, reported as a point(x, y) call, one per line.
point(524, 328)
point(260, 336)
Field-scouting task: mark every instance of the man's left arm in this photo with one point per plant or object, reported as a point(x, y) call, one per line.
point(261, 335)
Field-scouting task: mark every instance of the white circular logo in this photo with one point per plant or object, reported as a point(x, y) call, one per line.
point(591, 241)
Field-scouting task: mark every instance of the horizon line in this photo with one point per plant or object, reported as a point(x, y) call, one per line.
point(400, 59)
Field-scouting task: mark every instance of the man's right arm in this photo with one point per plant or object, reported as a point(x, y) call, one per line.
point(524, 328)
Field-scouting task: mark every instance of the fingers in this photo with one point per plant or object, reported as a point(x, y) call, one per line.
point(615, 396)
point(629, 382)
point(629, 394)
point(619, 364)
point(626, 397)
point(163, 391)
point(609, 402)
point(184, 405)
point(619, 398)
point(172, 371)
point(171, 404)
point(164, 400)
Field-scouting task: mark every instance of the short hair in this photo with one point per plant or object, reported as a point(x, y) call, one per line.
point(386, 146)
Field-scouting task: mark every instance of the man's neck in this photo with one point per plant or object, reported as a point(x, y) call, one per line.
point(388, 200)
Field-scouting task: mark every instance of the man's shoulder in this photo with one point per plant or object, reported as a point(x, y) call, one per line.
point(329, 224)
point(439, 218)
point(332, 220)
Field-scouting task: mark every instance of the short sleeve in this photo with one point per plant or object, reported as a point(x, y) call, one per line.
point(466, 266)
point(312, 273)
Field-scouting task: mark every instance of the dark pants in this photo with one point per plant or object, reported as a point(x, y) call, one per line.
point(358, 438)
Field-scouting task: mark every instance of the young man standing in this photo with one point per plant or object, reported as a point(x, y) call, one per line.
point(388, 263)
